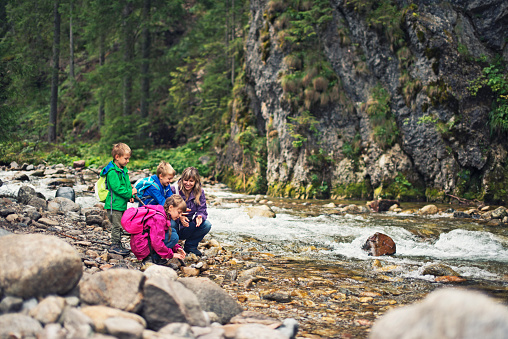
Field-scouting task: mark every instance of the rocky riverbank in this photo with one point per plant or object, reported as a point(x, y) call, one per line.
point(275, 292)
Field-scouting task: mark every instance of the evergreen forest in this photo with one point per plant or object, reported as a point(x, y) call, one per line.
point(80, 75)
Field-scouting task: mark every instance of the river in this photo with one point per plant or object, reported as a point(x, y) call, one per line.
point(308, 240)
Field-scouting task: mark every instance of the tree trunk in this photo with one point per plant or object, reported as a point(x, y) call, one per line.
point(234, 45)
point(71, 45)
point(54, 75)
point(227, 33)
point(128, 55)
point(102, 57)
point(145, 64)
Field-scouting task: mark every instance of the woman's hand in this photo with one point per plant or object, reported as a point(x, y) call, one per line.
point(184, 220)
point(199, 220)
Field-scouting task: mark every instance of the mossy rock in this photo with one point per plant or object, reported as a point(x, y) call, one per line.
point(351, 191)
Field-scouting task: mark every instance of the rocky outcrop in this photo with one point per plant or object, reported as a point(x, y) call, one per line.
point(414, 63)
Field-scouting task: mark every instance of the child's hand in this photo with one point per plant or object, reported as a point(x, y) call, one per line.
point(182, 252)
point(179, 256)
point(131, 200)
point(134, 191)
point(199, 220)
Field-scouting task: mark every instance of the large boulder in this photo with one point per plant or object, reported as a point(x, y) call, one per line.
point(379, 244)
point(382, 205)
point(167, 301)
point(445, 313)
point(119, 288)
point(213, 298)
point(35, 265)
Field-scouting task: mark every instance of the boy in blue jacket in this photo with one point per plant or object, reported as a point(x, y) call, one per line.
point(156, 189)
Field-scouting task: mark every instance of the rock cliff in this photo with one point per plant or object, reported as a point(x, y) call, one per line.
point(366, 99)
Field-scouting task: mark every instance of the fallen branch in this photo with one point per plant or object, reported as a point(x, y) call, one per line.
point(466, 201)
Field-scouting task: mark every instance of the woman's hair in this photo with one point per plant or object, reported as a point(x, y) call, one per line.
point(120, 149)
point(191, 173)
point(165, 169)
point(177, 202)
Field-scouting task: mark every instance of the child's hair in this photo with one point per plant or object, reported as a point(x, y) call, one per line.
point(177, 202)
point(165, 169)
point(120, 149)
point(191, 173)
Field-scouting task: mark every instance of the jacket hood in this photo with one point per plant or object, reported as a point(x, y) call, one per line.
point(108, 168)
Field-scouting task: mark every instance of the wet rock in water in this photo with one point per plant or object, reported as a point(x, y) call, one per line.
point(1, 182)
point(21, 177)
point(382, 205)
point(499, 213)
point(66, 192)
point(445, 313)
point(119, 288)
point(14, 166)
point(166, 301)
point(439, 270)
point(379, 244)
point(428, 210)
point(278, 297)
point(50, 265)
point(460, 214)
point(213, 298)
point(449, 279)
point(260, 211)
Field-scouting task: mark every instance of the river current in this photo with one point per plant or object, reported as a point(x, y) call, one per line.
point(318, 235)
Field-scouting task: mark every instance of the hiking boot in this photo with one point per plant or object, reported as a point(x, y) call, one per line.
point(118, 249)
point(195, 251)
point(160, 261)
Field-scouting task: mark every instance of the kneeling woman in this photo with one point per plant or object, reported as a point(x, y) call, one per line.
point(152, 241)
point(193, 226)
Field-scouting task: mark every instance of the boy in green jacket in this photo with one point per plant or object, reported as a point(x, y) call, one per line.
point(120, 192)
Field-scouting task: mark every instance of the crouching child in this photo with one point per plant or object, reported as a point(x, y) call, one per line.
point(151, 233)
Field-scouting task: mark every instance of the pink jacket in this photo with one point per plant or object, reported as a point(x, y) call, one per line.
point(158, 225)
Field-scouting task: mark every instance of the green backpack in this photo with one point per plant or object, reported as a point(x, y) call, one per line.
point(101, 189)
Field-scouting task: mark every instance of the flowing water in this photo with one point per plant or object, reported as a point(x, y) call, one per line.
point(307, 241)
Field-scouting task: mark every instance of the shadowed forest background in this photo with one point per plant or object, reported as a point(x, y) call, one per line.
point(354, 99)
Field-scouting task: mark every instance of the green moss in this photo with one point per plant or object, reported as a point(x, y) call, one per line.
point(401, 189)
point(497, 183)
point(434, 195)
point(352, 191)
point(421, 36)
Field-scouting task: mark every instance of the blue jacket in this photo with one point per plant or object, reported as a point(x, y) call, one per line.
point(156, 195)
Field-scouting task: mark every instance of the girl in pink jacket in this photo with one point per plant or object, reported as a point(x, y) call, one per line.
point(154, 231)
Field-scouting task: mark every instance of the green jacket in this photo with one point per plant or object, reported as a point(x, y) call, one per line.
point(119, 186)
